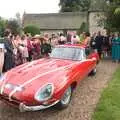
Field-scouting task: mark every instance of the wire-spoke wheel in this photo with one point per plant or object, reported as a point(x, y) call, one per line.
point(66, 98)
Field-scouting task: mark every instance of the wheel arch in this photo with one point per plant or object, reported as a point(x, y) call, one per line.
point(73, 85)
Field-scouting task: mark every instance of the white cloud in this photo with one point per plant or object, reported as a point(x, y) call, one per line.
point(8, 8)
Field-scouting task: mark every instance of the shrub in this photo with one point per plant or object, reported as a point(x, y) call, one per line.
point(83, 28)
point(13, 26)
point(32, 29)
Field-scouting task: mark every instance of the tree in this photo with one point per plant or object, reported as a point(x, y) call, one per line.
point(2, 26)
point(74, 5)
point(32, 29)
point(112, 21)
point(117, 10)
point(14, 26)
point(83, 28)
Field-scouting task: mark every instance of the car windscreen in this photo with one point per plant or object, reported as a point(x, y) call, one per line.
point(67, 53)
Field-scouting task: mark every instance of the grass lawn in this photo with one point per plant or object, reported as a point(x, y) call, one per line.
point(108, 107)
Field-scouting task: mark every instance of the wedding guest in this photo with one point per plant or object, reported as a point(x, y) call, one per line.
point(86, 40)
point(62, 39)
point(75, 39)
point(45, 48)
point(92, 42)
point(99, 43)
point(17, 52)
point(116, 48)
point(36, 47)
point(1, 57)
point(8, 60)
point(54, 40)
point(23, 49)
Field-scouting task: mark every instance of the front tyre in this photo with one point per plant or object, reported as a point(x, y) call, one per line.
point(65, 100)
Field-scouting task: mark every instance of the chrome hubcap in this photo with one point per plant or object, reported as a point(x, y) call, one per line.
point(66, 98)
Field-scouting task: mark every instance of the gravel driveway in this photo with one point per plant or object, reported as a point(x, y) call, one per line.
point(82, 105)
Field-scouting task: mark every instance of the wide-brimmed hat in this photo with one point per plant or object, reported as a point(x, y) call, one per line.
point(41, 38)
point(36, 37)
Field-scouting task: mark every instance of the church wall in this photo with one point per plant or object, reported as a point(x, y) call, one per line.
point(59, 22)
point(56, 21)
point(94, 18)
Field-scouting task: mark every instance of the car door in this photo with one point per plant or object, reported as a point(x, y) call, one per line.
point(92, 55)
point(82, 68)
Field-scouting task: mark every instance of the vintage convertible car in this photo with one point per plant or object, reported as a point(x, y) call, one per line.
point(49, 81)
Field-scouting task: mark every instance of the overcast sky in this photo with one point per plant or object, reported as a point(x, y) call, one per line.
point(8, 8)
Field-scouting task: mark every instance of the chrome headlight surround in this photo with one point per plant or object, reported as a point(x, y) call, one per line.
point(44, 93)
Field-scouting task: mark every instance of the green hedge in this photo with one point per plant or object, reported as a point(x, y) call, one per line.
point(32, 29)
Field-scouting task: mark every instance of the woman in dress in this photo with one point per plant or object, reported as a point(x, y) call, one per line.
point(86, 40)
point(16, 51)
point(29, 46)
point(116, 48)
point(82, 37)
point(75, 39)
point(23, 49)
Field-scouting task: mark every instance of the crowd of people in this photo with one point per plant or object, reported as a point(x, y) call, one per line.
point(21, 49)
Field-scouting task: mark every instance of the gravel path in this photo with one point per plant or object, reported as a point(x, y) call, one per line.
point(82, 105)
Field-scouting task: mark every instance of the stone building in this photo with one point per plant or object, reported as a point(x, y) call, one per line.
point(56, 22)
point(69, 21)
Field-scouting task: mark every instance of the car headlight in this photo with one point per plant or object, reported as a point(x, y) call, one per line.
point(2, 77)
point(44, 93)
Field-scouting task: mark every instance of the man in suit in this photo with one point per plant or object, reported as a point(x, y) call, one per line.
point(99, 43)
point(8, 60)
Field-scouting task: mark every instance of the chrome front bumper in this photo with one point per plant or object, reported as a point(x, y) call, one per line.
point(24, 108)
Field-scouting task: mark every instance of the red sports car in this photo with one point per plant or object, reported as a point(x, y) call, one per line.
point(49, 81)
